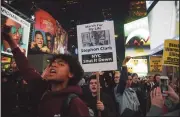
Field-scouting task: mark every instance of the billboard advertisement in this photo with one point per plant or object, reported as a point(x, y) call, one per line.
point(177, 17)
point(138, 65)
point(5, 62)
point(149, 3)
point(162, 23)
point(48, 35)
point(137, 38)
point(19, 31)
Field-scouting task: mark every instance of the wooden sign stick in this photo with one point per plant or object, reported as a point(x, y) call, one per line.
point(98, 91)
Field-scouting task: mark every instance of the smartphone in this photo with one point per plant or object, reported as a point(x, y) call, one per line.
point(164, 84)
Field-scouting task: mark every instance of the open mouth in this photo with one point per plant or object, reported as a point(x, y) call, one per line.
point(16, 40)
point(94, 88)
point(52, 71)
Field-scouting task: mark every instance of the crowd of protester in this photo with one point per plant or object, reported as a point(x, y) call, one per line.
point(62, 90)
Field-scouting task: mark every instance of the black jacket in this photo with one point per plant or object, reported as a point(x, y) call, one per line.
point(120, 88)
point(109, 105)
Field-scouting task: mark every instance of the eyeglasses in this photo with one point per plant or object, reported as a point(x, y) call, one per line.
point(14, 30)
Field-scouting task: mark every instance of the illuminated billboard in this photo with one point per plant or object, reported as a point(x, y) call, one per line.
point(163, 23)
point(5, 62)
point(138, 66)
point(149, 3)
point(177, 17)
point(48, 35)
point(137, 38)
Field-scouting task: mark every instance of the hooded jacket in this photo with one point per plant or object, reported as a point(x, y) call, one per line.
point(49, 103)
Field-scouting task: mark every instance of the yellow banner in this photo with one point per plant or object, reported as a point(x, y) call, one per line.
point(171, 53)
point(155, 63)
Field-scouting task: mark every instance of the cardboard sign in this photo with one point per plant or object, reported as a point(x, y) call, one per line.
point(96, 46)
point(171, 53)
point(155, 63)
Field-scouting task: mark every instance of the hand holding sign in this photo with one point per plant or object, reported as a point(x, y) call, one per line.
point(5, 32)
point(100, 106)
point(126, 60)
point(33, 44)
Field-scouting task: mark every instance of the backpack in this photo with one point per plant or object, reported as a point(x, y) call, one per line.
point(65, 106)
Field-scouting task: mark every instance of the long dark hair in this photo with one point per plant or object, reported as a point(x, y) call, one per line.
point(155, 81)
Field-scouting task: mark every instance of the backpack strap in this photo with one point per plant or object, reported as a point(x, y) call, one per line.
point(66, 102)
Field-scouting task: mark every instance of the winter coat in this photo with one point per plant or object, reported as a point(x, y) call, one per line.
point(49, 103)
point(109, 105)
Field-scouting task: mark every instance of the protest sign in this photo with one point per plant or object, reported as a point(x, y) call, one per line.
point(155, 63)
point(171, 53)
point(137, 38)
point(96, 46)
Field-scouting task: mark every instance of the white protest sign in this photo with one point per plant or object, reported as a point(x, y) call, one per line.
point(96, 46)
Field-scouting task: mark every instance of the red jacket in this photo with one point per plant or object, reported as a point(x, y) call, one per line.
point(50, 102)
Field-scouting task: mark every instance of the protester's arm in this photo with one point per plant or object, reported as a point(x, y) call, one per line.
point(102, 82)
point(154, 111)
point(157, 103)
point(103, 107)
point(172, 95)
point(109, 108)
point(109, 79)
point(36, 86)
point(105, 112)
point(123, 77)
point(20, 58)
point(23, 65)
